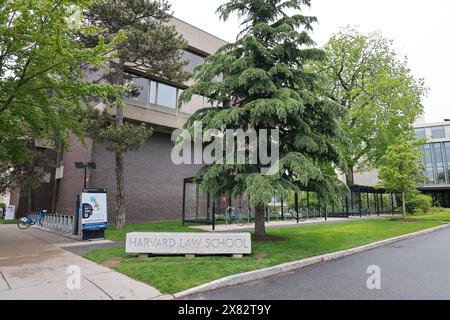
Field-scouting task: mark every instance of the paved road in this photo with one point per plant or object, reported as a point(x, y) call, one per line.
point(417, 268)
point(34, 266)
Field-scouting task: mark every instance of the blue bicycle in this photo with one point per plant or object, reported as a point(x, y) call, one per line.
point(234, 215)
point(28, 221)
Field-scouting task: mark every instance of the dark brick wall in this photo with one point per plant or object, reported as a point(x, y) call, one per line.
point(153, 184)
point(72, 183)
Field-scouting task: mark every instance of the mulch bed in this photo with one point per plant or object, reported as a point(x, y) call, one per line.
point(403, 220)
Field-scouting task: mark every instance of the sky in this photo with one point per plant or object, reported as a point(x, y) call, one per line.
point(420, 30)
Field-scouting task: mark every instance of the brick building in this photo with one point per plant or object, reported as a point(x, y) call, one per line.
point(153, 184)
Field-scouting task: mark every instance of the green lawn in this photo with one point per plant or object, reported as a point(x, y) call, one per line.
point(443, 216)
point(174, 274)
point(8, 221)
point(164, 226)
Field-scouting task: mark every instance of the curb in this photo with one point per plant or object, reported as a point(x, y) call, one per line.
point(164, 297)
point(59, 233)
point(291, 266)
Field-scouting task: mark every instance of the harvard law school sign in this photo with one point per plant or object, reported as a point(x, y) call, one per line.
point(189, 243)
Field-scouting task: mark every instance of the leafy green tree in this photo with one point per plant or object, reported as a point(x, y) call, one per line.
point(260, 82)
point(43, 84)
point(401, 166)
point(27, 175)
point(383, 99)
point(154, 48)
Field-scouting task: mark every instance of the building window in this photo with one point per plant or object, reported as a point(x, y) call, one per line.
point(420, 133)
point(164, 95)
point(447, 156)
point(167, 96)
point(153, 92)
point(194, 60)
point(153, 89)
point(439, 163)
point(140, 93)
point(438, 132)
point(428, 163)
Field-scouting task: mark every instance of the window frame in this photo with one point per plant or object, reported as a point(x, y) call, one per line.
point(416, 130)
point(440, 128)
point(148, 101)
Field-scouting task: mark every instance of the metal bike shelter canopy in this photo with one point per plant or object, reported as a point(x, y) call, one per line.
point(201, 208)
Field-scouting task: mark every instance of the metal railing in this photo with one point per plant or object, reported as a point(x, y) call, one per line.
point(60, 223)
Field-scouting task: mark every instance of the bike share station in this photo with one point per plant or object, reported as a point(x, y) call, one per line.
point(92, 208)
point(201, 208)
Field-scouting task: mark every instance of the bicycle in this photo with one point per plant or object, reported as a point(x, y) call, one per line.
point(301, 215)
point(234, 214)
point(28, 221)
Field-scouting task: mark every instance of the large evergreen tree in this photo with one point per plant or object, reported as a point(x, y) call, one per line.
point(152, 46)
point(259, 82)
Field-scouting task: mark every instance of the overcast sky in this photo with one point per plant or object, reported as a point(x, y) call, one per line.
point(420, 29)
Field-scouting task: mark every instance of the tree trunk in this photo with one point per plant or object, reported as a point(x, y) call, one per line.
point(30, 200)
point(120, 196)
point(120, 218)
point(260, 221)
point(349, 177)
point(404, 205)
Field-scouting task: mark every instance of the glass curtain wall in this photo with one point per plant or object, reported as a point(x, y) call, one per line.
point(436, 159)
point(439, 163)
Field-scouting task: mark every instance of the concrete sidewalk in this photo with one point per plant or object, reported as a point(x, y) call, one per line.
point(281, 224)
point(33, 265)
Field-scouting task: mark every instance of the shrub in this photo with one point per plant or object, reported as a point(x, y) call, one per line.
point(419, 204)
point(437, 210)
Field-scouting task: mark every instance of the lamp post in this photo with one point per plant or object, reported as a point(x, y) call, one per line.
point(85, 166)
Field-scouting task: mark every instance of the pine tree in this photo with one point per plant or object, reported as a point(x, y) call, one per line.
point(259, 82)
point(152, 46)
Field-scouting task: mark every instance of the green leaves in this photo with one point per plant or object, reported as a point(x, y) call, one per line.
point(25, 172)
point(43, 73)
point(120, 138)
point(150, 42)
point(400, 167)
point(364, 74)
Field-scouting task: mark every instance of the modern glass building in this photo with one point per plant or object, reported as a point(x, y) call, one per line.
point(436, 160)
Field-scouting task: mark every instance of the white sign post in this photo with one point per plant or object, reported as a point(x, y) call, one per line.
point(189, 244)
point(10, 212)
